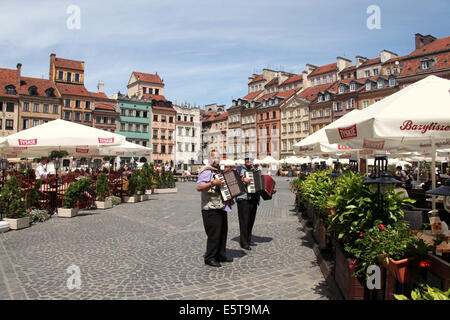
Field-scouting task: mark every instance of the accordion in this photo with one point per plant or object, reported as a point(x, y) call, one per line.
point(269, 185)
point(232, 186)
point(256, 181)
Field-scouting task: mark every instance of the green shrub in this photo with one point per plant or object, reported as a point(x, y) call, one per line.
point(102, 187)
point(38, 215)
point(75, 191)
point(11, 199)
point(425, 292)
point(133, 180)
point(115, 200)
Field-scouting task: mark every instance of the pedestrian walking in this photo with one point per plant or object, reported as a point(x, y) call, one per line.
point(214, 213)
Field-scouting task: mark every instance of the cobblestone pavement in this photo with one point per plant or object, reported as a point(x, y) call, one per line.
point(153, 250)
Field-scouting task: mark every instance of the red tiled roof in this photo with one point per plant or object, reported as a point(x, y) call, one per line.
point(395, 59)
point(272, 82)
point(257, 79)
point(252, 95)
point(348, 69)
point(436, 45)
point(73, 89)
point(100, 95)
point(40, 84)
point(370, 62)
point(69, 64)
point(324, 69)
point(293, 79)
point(411, 66)
point(287, 94)
point(148, 77)
point(267, 96)
point(222, 116)
point(154, 97)
point(105, 107)
point(8, 77)
point(311, 93)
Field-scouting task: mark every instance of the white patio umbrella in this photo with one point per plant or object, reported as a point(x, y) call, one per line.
point(240, 162)
point(269, 160)
point(126, 148)
point(59, 135)
point(226, 162)
point(317, 143)
point(413, 119)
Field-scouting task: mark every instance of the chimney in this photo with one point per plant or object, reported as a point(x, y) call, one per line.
point(360, 60)
point(342, 63)
point(19, 68)
point(51, 75)
point(386, 55)
point(101, 87)
point(423, 40)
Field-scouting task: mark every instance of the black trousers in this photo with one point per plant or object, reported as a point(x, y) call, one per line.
point(216, 228)
point(247, 214)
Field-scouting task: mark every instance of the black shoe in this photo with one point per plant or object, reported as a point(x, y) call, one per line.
point(247, 247)
point(213, 263)
point(253, 244)
point(225, 259)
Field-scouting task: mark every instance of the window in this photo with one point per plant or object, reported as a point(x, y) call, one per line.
point(26, 107)
point(377, 99)
point(9, 124)
point(170, 119)
point(192, 119)
point(388, 71)
point(35, 123)
point(55, 108)
point(274, 130)
point(77, 77)
point(87, 117)
point(77, 103)
point(260, 116)
point(113, 120)
point(291, 114)
point(341, 89)
point(88, 104)
point(352, 86)
point(392, 82)
point(155, 117)
point(46, 108)
point(365, 103)
point(170, 134)
point(60, 75)
point(350, 104)
point(10, 90)
point(267, 115)
point(163, 148)
point(66, 115)
point(155, 134)
point(192, 147)
point(367, 73)
point(376, 72)
point(327, 97)
point(368, 86)
point(179, 147)
point(1, 106)
point(284, 128)
point(67, 103)
point(284, 145)
point(157, 91)
point(291, 127)
point(274, 114)
point(36, 107)
point(155, 148)
point(144, 114)
point(299, 127)
point(163, 118)
point(122, 126)
point(32, 91)
point(313, 115)
point(25, 124)
point(267, 130)
point(69, 76)
point(77, 116)
point(1, 124)
point(144, 90)
point(105, 119)
point(425, 64)
point(320, 99)
point(97, 119)
point(321, 113)
point(380, 84)
point(306, 126)
point(327, 112)
point(10, 107)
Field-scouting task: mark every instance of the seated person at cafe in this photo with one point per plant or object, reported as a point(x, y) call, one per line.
point(403, 192)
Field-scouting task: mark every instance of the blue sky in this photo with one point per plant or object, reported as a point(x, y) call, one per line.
point(206, 50)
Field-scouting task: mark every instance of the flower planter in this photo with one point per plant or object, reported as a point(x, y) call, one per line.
point(350, 287)
point(18, 223)
point(67, 212)
point(401, 269)
point(132, 199)
point(166, 190)
point(148, 192)
point(144, 197)
point(320, 233)
point(104, 204)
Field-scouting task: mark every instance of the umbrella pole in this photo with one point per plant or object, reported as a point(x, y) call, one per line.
point(433, 169)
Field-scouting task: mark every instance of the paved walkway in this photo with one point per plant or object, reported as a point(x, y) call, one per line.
point(153, 250)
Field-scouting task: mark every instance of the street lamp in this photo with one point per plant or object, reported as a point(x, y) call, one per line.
point(382, 179)
point(4, 165)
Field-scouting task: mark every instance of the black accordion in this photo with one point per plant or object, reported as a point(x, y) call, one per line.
point(232, 185)
point(256, 181)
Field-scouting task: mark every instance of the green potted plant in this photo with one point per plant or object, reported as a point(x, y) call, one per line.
point(165, 182)
point(147, 178)
point(114, 200)
point(425, 292)
point(72, 195)
point(133, 180)
point(103, 191)
point(12, 205)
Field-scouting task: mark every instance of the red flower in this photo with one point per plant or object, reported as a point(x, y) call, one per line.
point(381, 226)
point(352, 266)
point(425, 263)
point(360, 234)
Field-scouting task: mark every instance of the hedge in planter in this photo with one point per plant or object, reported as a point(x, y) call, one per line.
point(75, 191)
point(11, 200)
point(102, 187)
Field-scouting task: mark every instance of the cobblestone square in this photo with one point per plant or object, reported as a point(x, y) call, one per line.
point(153, 250)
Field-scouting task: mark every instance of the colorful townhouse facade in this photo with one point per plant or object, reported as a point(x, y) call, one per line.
point(188, 136)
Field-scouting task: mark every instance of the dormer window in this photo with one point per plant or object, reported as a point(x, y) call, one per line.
point(380, 84)
point(320, 99)
point(32, 91)
point(367, 73)
point(368, 86)
point(352, 86)
point(10, 89)
point(392, 82)
point(425, 64)
point(50, 92)
point(327, 97)
point(341, 89)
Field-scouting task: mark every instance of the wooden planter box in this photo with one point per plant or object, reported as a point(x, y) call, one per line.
point(440, 268)
point(144, 197)
point(104, 204)
point(67, 213)
point(401, 269)
point(19, 223)
point(132, 199)
point(166, 190)
point(350, 287)
point(320, 234)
